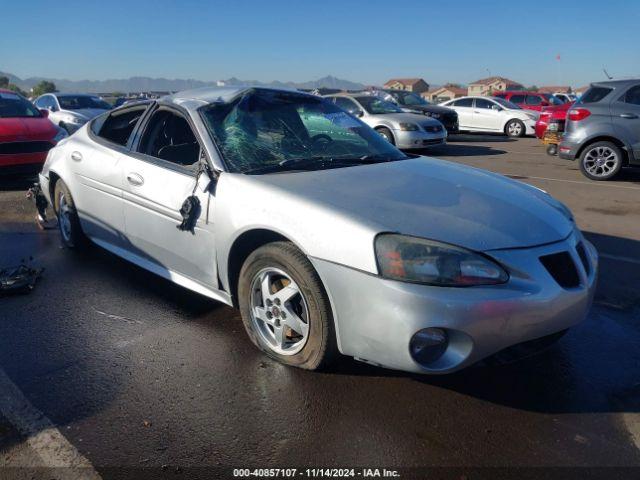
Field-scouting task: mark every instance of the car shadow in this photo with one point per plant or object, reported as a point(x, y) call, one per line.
point(453, 150)
point(480, 137)
point(13, 183)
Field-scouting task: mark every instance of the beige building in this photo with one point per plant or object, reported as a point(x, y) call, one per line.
point(415, 85)
point(486, 86)
point(444, 93)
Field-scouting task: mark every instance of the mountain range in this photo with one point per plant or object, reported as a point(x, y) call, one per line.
point(148, 84)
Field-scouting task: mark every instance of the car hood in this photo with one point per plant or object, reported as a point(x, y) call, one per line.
point(87, 113)
point(429, 108)
point(406, 118)
point(434, 199)
point(19, 129)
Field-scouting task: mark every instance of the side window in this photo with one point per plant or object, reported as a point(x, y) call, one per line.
point(169, 137)
point(484, 103)
point(39, 102)
point(517, 99)
point(118, 126)
point(533, 100)
point(463, 102)
point(45, 102)
point(632, 96)
point(346, 104)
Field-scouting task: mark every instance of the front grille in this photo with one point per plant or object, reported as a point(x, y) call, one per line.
point(582, 253)
point(432, 128)
point(437, 141)
point(13, 148)
point(562, 269)
point(450, 120)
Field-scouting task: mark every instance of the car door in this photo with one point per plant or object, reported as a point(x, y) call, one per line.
point(518, 99)
point(464, 108)
point(97, 166)
point(625, 114)
point(160, 173)
point(486, 114)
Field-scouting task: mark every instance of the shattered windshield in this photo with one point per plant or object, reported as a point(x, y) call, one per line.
point(268, 130)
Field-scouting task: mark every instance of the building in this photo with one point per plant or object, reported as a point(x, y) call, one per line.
point(415, 85)
point(444, 93)
point(555, 89)
point(486, 86)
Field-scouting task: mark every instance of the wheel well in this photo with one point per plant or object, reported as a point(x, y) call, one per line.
point(380, 127)
point(53, 179)
point(615, 141)
point(506, 124)
point(243, 246)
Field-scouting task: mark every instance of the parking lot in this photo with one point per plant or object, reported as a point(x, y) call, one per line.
point(138, 373)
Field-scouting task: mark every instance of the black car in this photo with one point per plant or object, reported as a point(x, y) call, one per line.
point(411, 102)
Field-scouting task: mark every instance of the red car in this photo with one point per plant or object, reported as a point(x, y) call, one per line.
point(26, 134)
point(530, 100)
point(557, 113)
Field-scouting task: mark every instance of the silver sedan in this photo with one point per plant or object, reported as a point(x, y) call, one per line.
point(404, 130)
point(326, 237)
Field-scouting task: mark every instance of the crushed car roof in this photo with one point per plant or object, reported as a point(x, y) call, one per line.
point(201, 96)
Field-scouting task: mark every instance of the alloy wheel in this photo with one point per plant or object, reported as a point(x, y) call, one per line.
point(64, 217)
point(600, 161)
point(279, 311)
point(514, 129)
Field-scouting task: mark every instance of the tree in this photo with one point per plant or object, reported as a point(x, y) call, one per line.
point(43, 87)
point(4, 82)
point(17, 89)
point(533, 88)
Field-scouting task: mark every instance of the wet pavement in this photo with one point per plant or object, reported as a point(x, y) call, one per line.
point(140, 374)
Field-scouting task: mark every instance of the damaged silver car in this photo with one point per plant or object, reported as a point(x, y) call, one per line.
point(326, 237)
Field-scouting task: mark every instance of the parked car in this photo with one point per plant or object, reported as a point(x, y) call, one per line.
point(71, 110)
point(25, 134)
point(405, 130)
point(487, 114)
point(603, 129)
point(565, 97)
point(529, 100)
point(413, 103)
point(328, 238)
point(555, 114)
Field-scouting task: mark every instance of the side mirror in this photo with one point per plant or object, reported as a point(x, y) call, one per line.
point(44, 112)
point(357, 113)
point(52, 108)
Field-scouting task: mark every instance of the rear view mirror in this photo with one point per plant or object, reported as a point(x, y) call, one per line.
point(44, 112)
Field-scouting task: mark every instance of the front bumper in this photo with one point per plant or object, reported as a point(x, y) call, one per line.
point(530, 127)
point(407, 140)
point(376, 318)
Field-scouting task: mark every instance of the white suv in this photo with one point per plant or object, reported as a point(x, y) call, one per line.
point(70, 110)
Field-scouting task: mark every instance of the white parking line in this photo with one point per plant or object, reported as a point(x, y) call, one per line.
point(592, 184)
point(42, 436)
point(620, 259)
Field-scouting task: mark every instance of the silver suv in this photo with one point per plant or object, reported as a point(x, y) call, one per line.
point(603, 129)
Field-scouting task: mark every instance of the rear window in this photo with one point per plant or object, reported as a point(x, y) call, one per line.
point(595, 94)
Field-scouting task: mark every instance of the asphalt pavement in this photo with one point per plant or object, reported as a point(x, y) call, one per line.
point(117, 372)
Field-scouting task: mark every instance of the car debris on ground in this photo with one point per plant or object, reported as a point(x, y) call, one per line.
point(19, 279)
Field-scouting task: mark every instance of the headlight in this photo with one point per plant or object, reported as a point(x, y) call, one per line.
point(408, 127)
point(62, 133)
point(418, 260)
point(77, 120)
point(532, 116)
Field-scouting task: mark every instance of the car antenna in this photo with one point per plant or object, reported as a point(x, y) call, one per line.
point(607, 73)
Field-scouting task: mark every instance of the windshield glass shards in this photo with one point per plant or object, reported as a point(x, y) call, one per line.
point(265, 131)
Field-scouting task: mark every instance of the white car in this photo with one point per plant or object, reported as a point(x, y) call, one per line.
point(71, 110)
point(490, 114)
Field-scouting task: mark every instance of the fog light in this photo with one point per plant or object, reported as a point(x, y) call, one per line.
point(428, 344)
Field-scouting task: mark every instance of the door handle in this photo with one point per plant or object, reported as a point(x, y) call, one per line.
point(76, 156)
point(629, 115)
point(135, 179)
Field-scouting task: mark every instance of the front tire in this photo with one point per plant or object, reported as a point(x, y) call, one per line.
point(386, 134)
point(601, 161)
point(285, 309)
point(68, 221)
point(515, 128)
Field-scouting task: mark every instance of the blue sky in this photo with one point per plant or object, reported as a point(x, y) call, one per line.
point(366, 41)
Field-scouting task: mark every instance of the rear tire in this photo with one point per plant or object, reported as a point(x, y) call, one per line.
point(601, 161)
point(68, 221)
point(285, 309)
point(515, 128)
point(552, 150)
point(386, 134)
